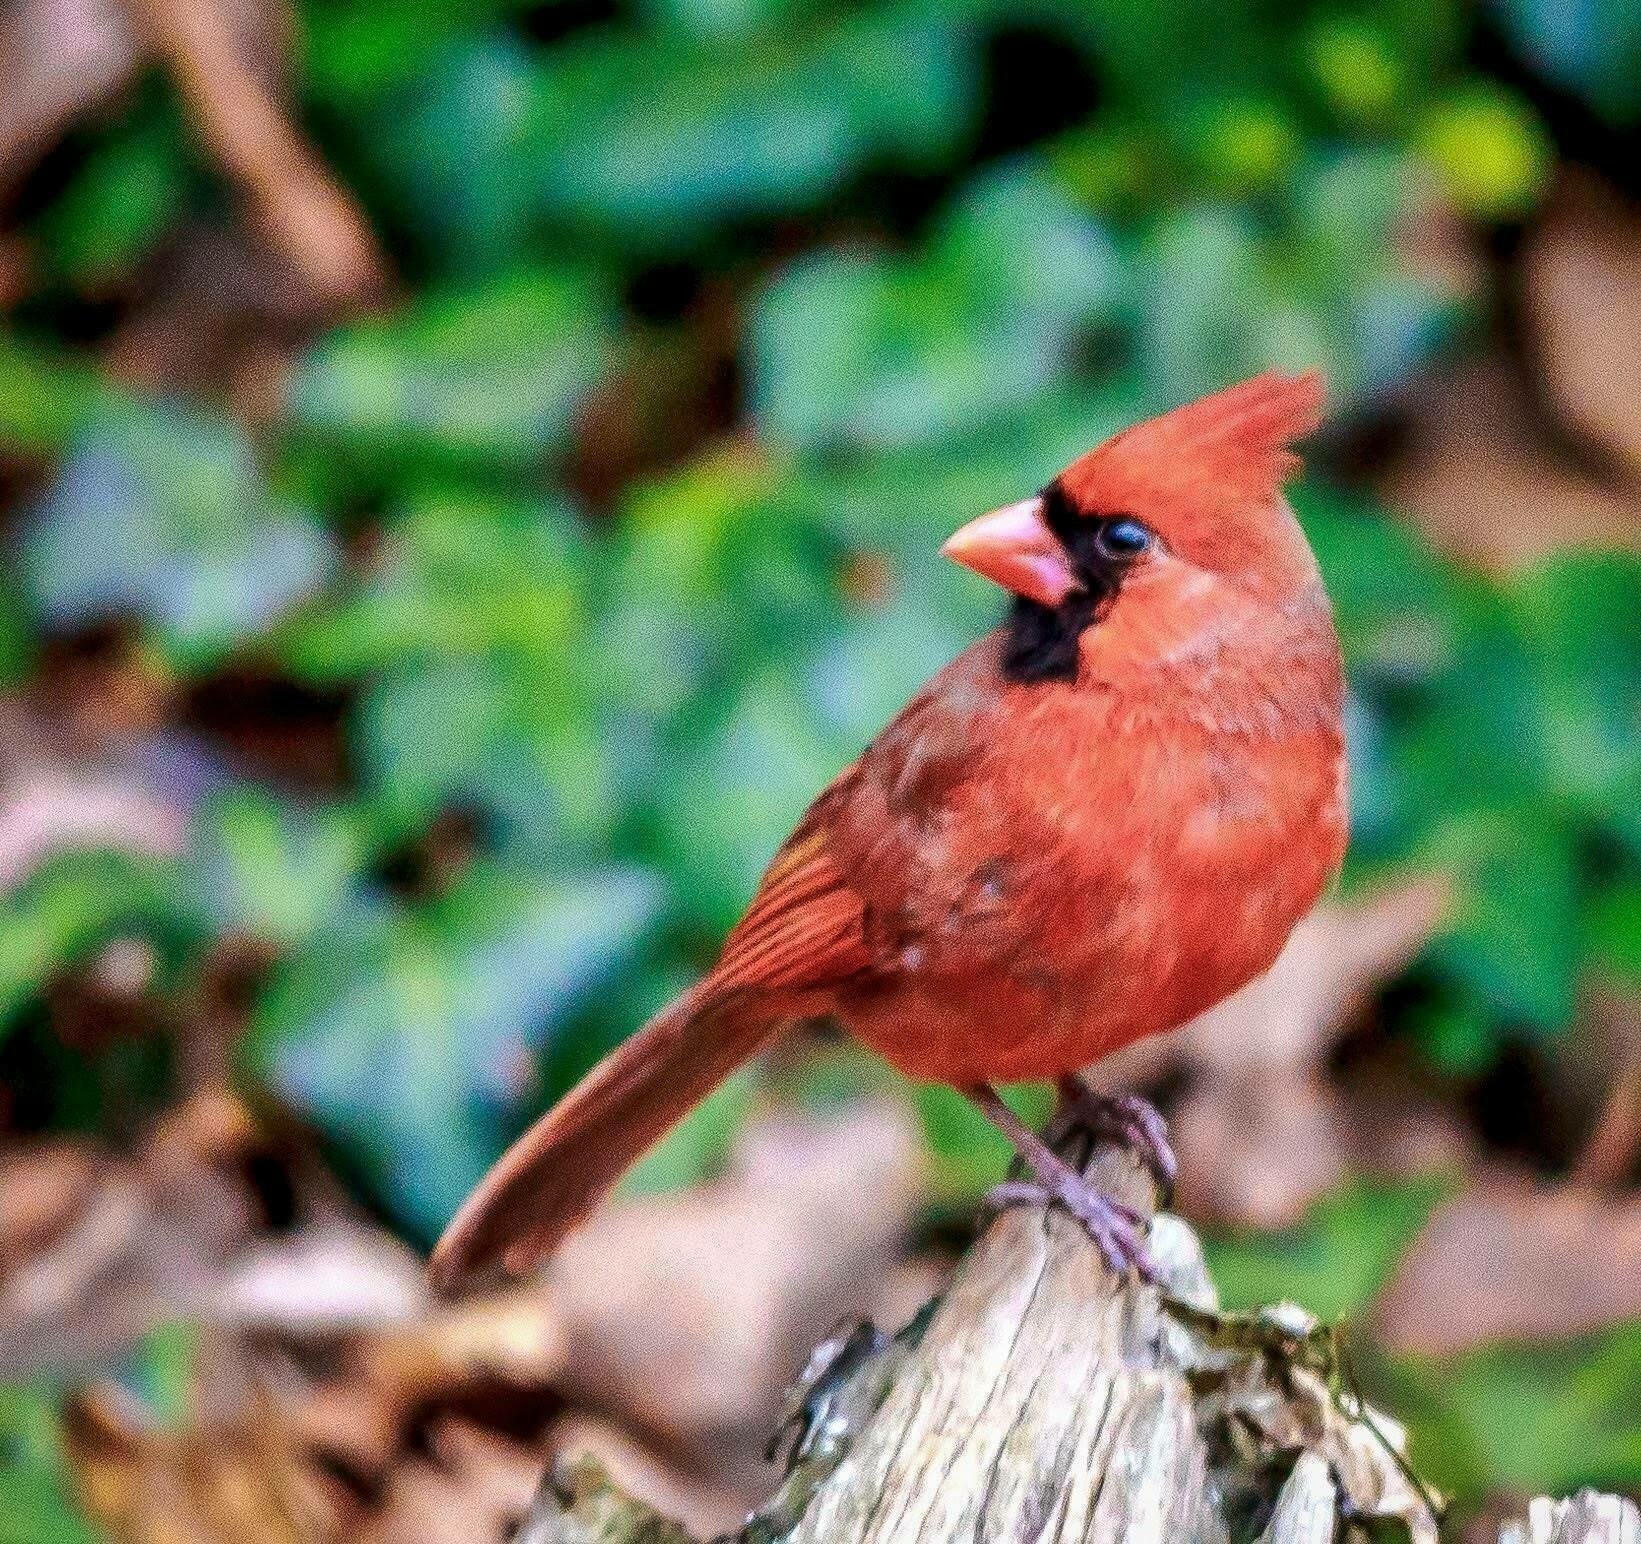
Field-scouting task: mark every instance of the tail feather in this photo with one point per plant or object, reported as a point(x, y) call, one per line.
point(563, 1165)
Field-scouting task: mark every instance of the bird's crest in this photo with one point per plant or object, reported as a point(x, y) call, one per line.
point(1232, 447)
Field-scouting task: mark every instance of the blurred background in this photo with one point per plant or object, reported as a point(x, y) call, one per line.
point(471, 472)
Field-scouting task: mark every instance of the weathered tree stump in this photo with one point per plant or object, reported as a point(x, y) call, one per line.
point(1043, 1399)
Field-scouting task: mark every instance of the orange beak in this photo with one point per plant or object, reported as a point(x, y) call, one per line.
point(1014, 547)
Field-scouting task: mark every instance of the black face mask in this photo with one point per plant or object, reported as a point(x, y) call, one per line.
point(1042, 642)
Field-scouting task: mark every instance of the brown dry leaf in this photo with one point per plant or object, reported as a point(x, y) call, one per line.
point(516, 1338)
point(41, 1187)
point(1439, 245)
point(240, 1484)
point(689, 1313)
point(1582, 273)
point(1596, 1076)
point(1514, 1259)
point(58, 59)
point(377, 1385)
point(1365, 1457)
point(61, 59)
point(1609, 1154)
point(347, 1424)
point(1484, 483)
point(334, 1277)
point(211, 317)
point(16, 269)
point(1259, 1134)
point(306, 215)
point(148, 1239)
point(1256, 1154)
point(475, 1489)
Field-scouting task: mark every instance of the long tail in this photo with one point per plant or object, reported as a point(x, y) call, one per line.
point(559, 1169)
point(804, 929)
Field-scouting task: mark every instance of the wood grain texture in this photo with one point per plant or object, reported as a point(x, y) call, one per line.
point(1047, 1401)
point(1042, 1400)
point(1587, 1518)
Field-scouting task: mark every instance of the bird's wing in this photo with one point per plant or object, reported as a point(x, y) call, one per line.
point(805, 931)
point(805, 926)
point(808, 925)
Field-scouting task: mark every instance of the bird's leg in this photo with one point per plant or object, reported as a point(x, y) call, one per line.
point(1125, 1118)
point(1118, 1230)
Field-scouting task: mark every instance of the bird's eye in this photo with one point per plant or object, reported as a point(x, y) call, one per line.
point(1124, 539)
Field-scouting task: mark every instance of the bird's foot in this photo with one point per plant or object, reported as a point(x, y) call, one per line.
point(1118, 1231)
point(1125, 1118)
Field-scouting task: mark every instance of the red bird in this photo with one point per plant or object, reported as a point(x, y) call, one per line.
point(1091, 826)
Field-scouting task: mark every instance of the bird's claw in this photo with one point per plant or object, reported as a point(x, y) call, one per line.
point(1129, 1119)
point(1118, 1230)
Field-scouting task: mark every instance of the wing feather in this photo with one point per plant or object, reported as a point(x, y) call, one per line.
point(804, 928)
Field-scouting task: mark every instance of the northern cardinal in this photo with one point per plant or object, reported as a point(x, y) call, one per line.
point(1091, 826)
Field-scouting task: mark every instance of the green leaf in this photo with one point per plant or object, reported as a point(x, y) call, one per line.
point(74, 903)
point(273, 869)
point(460, 151)
point(457, 575)
point(878, 659)
point(47, 397)
point(1357, 69)
point(1613, 929)
point(1215, 309)
point(408, 1039)
point(119, 206)
point(162, 513)
point(1457, 1031)
point(1575, 614)
point(1513, 937)
point(1335, 1262)
point(1534, 1419)
point(1474, 737)
point(1244, 144)
point(731, 806)
point(852, 348)
point(503, 736)
point(1489, 148)
point(16, 638)
point(362, 53)
point(1393, 600)
point(36, 1488)
point(494, 374)
point(721, 134)
point(729, 21)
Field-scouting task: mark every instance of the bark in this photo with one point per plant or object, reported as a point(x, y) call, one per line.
point(1044, 1401)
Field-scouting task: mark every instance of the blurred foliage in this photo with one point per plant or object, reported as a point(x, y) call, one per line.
point(633, 702)
point(1334, 1263)
point(35, 1505)
point(644, 697)
point(1541, 1419)
point(1592, 50)
point(934, 252)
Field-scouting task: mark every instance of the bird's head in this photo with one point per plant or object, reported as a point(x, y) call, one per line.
point(1158, 535)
